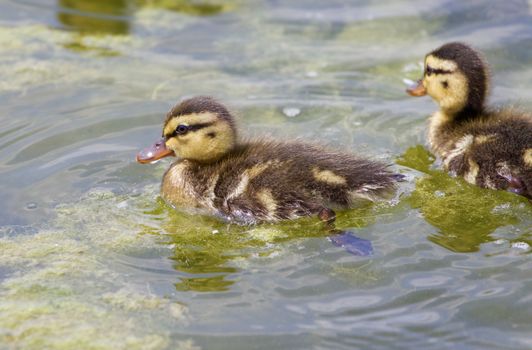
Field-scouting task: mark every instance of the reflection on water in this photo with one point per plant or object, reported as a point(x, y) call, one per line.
point(95, 16)
point(465, 215)
point(189, 7)
point(206, 251)
point(114, 16)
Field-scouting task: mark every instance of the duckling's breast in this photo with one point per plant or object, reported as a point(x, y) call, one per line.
point(438, 139)
point(177, 187)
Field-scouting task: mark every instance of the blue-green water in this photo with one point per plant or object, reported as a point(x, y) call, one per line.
point(90, 257)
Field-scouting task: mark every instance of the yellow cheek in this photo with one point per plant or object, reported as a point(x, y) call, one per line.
point(434, 88)
point(454, 97)
point(458, 89)
point(189, 146)
point(198, 145)
point(172, 144)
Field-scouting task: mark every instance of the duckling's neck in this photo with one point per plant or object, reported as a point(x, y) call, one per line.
point(439, 125)
point(444, 127)
point(467, 113)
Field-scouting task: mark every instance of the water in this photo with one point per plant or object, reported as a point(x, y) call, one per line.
point(90, 257)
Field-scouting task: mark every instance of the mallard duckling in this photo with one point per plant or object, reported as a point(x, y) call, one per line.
point(488, 147)
point(256, 181)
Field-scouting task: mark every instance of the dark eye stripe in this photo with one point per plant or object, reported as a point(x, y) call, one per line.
point(193, 127)
point(429, 70)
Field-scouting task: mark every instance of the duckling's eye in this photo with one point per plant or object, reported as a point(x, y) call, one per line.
point(181, 129)
point(429, 71)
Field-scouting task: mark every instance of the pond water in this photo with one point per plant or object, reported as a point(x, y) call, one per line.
point(90, 257)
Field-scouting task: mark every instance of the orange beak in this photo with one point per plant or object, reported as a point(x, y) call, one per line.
point(155, 152)
point(417, 90)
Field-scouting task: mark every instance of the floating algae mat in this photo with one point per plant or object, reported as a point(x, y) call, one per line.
point(464, 216)
point(63, 285)
point(80, 277)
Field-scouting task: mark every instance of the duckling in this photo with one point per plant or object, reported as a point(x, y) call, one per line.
point(249, 182)
point(491, 148)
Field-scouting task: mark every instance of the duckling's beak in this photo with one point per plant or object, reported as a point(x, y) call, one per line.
point(155, 152)
point(417, 89)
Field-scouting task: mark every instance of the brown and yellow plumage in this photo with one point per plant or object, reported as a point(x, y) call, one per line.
point(491, 148)
point(261, 180)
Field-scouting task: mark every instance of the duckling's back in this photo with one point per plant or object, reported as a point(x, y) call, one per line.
point(270, 181)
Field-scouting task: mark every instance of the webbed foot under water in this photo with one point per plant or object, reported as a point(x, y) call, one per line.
point(260, 180)
point(353, 244)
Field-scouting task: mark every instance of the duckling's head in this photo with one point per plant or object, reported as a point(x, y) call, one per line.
point(455, 77)
point(198, 129)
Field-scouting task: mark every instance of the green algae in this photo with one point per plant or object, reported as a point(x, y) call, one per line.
point(67, 292)
point(88, 59)
point(39, 42)
point(194, 8)
point(116, 17)
point(213, 251)
point(79, 46)
point(94, 17)
point(465, 216)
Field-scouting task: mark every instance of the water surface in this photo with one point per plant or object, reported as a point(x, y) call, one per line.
point(90, 257)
